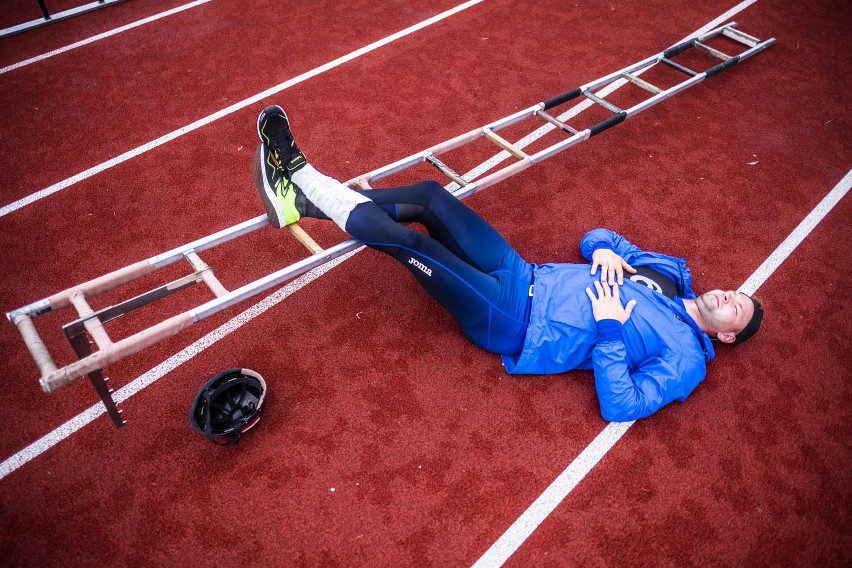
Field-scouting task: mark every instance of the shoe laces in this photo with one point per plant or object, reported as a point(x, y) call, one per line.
point(282, 138)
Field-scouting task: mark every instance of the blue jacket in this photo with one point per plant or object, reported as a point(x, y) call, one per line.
point(657, 356)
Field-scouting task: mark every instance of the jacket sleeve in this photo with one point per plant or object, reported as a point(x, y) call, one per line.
point(604, 238)
point(626, 396)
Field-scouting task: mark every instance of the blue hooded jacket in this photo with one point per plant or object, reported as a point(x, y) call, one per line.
point(657, 356)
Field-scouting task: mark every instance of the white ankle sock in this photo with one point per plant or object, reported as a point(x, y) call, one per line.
point(332, 197)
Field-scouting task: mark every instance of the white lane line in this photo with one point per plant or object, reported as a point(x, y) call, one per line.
point(524, 526)
point(5, 210)
point(99, 37)
point(771, 264)
point(65, 430)
point(541, 508)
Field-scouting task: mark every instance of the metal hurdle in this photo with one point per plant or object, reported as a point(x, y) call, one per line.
point(48, 18)
point(90, 322)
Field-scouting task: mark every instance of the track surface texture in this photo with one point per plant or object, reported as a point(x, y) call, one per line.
point(390, 440)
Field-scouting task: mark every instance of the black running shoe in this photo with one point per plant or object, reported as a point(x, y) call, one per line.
point(273, 128)
point(280, 197)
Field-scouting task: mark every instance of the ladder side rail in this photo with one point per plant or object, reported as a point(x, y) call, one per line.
point(630, 69)
point(91, 288)
point(210, 241)
point(715, 70)
point(132, 272)
point(546, 153)
point(53, 378)
point(576, 138)
point(494, 178)
point(671, 91)
point(756, 49)
point(396, 167)
point(671, 52)
point(511, 119)
point(419, 157)
point(102, 284)
point(279, 277)
point(452, 143)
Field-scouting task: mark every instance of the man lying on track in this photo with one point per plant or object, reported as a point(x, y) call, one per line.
point(648, 338)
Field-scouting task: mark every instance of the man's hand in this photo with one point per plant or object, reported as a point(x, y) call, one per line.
point(612, 266)
point(607, 304)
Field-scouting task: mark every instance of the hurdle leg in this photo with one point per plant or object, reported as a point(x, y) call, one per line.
point(83, 348)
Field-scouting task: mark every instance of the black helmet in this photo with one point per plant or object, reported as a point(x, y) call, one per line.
point(227, 405)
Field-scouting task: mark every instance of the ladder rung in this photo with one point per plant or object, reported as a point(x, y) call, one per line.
point(505, 144)
point(360, 183)
point(741, 37)
point(108, 314)
point(447, 170)
point(206, 273)
point(604, 103)
point(640, 83)
point(555, 122)
point(677, 66)
point(712, 51)
point(91, 322)
point(304, 238)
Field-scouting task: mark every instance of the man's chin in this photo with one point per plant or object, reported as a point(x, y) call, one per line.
point(706, 303)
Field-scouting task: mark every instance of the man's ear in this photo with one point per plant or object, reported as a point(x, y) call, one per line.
point(726, 337)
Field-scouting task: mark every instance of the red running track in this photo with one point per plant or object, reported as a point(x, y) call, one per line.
point(432, 451)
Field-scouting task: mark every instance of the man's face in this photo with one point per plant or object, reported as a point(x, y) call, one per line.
point(725, 312)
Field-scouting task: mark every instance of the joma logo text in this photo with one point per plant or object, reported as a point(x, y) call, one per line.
point(420, 265)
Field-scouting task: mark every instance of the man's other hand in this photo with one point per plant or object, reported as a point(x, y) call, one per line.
point(607, 304)
point(612, 266)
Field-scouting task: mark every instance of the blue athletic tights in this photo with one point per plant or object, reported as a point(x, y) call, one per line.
point(464, 263)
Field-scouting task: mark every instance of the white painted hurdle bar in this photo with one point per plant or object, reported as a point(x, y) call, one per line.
point(91, 322)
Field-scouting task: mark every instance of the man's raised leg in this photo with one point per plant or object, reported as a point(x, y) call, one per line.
point(492, 308)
